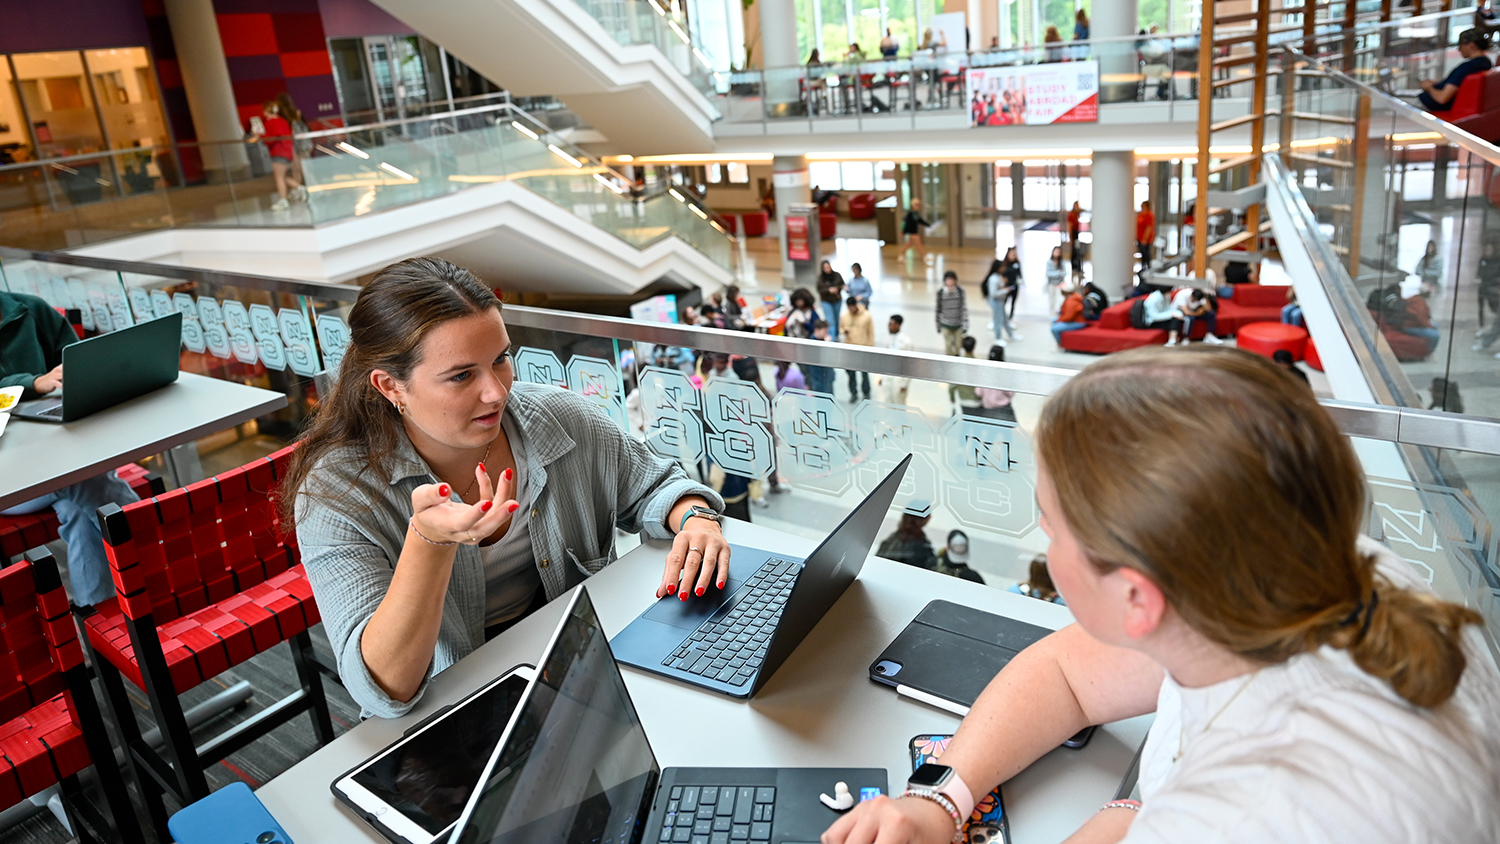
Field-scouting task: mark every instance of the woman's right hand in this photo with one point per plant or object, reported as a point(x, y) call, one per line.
point(439, 518)
point(907, 820)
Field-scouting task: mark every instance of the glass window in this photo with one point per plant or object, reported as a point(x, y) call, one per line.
point(127, 97)
point(739, 174)
point(858, 175)
point(825, 174)
point(15, 142)
point(56, 93)
point(885, 175)
point(713, 174)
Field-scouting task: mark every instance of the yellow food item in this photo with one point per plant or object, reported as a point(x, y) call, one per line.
point(6, 401)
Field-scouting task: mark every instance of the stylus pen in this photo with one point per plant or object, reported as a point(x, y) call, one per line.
point(933, 700)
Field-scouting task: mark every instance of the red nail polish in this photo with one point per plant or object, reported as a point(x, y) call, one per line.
point(485, 507)
point(671, 589)
point(444, 491)
point(514, 506)
point(481, 466)
point(507, 474)
point(684, 595)
point(721, 584)
point(699, 591)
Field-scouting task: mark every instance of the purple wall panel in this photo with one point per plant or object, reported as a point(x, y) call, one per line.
point(317, 96)
point(32, 27)
point(254, 67)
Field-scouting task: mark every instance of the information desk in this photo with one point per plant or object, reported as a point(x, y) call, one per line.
point(819, 709)
point(40, 457)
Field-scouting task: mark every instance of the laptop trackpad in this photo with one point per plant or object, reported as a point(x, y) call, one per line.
point(690, 613)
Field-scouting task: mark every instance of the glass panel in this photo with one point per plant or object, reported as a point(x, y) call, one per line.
point(55, 90)
point(127, 97)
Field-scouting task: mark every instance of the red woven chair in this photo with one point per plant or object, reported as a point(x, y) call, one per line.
point(19, 533)
point(204, 581)
point(50, 728)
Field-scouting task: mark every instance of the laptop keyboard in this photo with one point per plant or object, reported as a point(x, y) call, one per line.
point(709, 814)
point(54, 412)
point(731, 644)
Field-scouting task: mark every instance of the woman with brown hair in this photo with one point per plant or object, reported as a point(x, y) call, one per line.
point(1307, 685)
point(437, 501)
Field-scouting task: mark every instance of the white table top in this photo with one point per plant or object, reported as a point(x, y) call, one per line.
point(819, 709)
point(39, 457)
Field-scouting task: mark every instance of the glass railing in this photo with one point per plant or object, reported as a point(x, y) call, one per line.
point(348, 172)
point(661, 25)
point(790, 422)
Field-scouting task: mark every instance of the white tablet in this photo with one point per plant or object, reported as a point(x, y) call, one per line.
point(414, 791)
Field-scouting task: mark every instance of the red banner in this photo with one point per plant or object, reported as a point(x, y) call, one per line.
point(797, 248)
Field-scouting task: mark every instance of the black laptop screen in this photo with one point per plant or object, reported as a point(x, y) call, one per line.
point(576, 769)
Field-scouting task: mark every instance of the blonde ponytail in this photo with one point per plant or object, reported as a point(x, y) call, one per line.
point(1412, 640)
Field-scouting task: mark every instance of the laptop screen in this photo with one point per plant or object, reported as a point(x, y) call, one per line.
point(576, 768)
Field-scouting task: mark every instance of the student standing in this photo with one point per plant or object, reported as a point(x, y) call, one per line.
point(859, 330)
point(1145, 233)
point(894, 387)
point(1075, 228)
point(831, 293)
point(952, 313)
point(859, 287)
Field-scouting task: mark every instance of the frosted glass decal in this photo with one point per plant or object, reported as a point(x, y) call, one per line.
point(598, 380)
point(211, 317)
point(161, 304)
point(297, 335)
point(540, 366)
point(670, 404)
point(883, 435)
point(739, 421)
point(267, 337)
point(98, 305)
point(241, 337)
point(59, 297)
point(812, 446)
point(140, 303)
point(119, 309)
point(333, 338)
point(192, 332)
point(993, 467)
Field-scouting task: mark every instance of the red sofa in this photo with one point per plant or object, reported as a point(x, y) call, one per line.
point(1476, 106)
point(862, 206)
point(1250, 303)
point(1112, 333)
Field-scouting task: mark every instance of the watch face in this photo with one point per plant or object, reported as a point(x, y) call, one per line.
point(929, 775)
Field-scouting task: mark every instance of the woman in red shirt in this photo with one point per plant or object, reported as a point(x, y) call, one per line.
point(1070, 318)
point(278, 141)
point(1145, 232)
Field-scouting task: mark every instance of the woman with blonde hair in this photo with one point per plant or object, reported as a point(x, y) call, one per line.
point(1307, 684)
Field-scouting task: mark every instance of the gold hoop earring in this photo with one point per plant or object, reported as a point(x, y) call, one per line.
point(400, 408)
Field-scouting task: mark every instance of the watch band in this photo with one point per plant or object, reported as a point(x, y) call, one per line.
point(702, 512)
point(958, 791)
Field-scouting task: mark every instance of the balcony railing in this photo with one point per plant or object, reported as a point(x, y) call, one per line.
point(675, 388)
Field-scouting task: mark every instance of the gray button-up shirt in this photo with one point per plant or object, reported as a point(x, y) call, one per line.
point(584, 478)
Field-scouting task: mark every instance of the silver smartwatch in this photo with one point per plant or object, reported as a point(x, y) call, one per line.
point(698, 512)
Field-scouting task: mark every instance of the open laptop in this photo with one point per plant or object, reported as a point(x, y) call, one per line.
point(104, 371)
point(732, 640)
point(574, 766)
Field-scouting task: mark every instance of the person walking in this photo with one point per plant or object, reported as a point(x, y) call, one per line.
point(1145, 233)
point(277, 136)
point(952, 312)
point(1075, 228)
point(912, 226)
point(831, 292)
point(1012, 273)
point(859, 330)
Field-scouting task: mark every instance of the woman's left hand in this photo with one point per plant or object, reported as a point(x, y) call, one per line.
point(699, 558)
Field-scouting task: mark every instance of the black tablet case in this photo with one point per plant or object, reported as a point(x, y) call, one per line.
point(954, 651)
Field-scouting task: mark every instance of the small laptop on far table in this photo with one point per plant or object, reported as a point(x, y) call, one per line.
point(109, 369)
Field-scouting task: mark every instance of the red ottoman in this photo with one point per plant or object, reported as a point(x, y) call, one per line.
point(828, 225)
point(862, 206)
point(731, 222)
point(1310, 356)
point(1265, 338)
point(755, 223)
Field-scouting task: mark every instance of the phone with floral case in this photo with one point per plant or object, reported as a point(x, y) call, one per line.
point(988, 824)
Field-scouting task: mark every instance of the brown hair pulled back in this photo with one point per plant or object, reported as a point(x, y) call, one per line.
point(1218, 476)
point(387, 324)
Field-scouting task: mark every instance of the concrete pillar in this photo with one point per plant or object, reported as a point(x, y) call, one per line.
point(205, 80)
point(789, 178)
point(1115, 19)
point(778, 42)
point(1113, 220)
point(1018, 189)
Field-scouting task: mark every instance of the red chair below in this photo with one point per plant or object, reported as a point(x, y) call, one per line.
point(18, 533)
point(50, 728)
point(756, 223)
point(862, 206)
point(204, 581)
point(732, 223)
point(828, 225)
point(1266, 338)
point(1474, 95)
point(1310, 355)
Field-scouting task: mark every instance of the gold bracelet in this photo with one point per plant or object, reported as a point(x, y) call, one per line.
point(947, 806)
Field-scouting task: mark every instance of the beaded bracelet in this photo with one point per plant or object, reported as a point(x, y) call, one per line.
point(412, 523)
point(947, 806)
point(1133, 805)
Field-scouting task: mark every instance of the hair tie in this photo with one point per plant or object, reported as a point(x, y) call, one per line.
point(1365, 609)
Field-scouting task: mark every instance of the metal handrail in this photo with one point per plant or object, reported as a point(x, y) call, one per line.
point(1404, 425)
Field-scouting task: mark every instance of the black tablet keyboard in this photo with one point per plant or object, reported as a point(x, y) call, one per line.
point(731, 644)
point(710, 814)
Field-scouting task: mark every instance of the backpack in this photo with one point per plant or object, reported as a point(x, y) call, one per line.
point(1386, 306)
point(1138, 313)
point(1094, 303)
point(984, 286)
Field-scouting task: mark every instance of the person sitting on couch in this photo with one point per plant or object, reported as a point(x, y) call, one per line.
point(1472, 45)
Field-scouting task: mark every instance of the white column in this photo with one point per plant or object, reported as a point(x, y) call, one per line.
point(778, 48)
point(789, 178)
point(1115, 19)
point(1113, 219)
point(205, 80)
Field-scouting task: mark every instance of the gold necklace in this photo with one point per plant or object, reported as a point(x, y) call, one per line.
point(1182, 727)
point(476, 477)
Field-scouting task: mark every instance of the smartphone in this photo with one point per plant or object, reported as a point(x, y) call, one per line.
point(989, 823)
point(233, 813)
